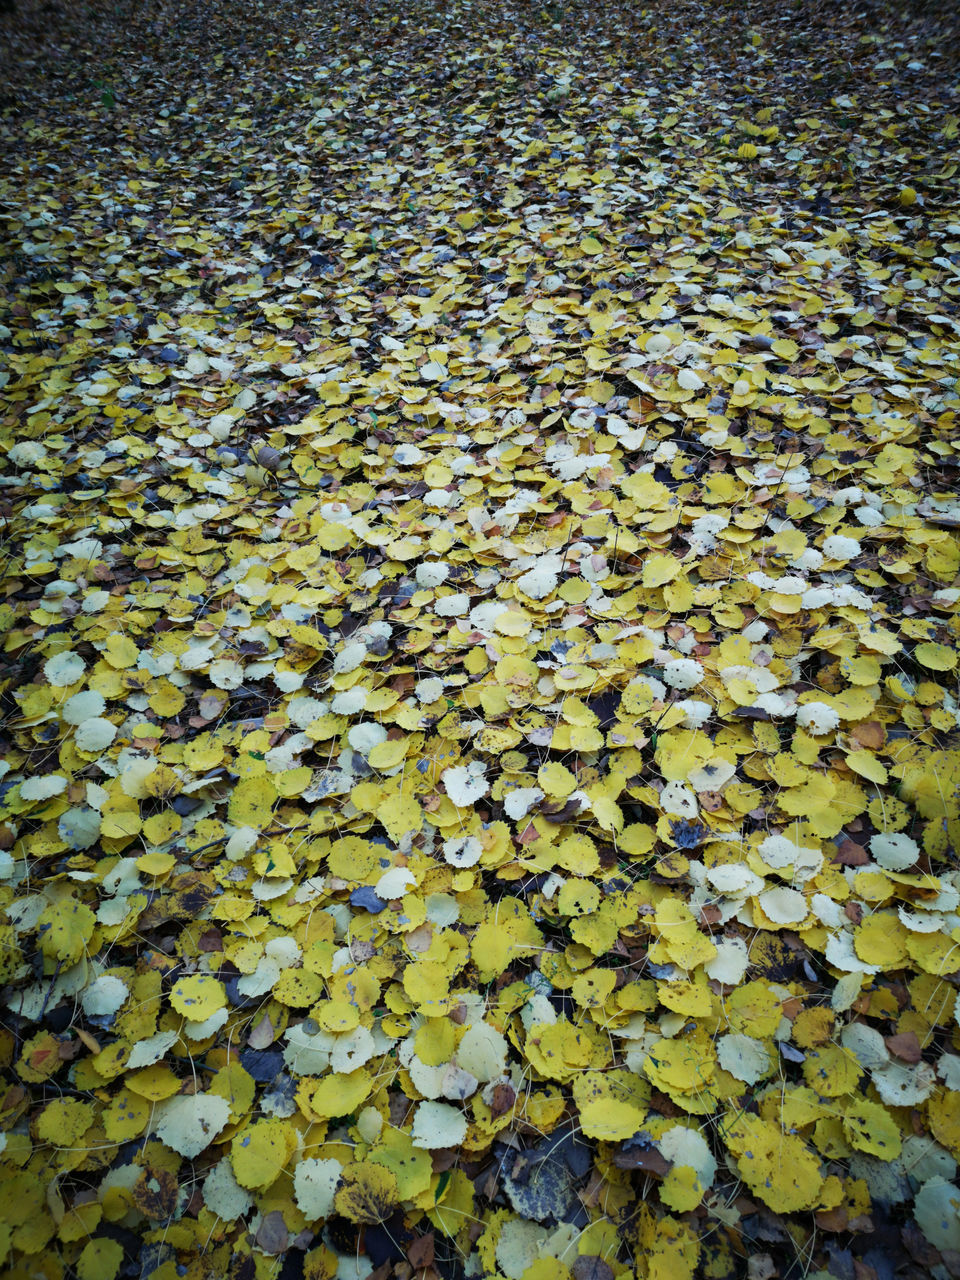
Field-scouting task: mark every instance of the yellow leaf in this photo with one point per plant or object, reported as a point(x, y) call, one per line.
point(681, 1189)
point(778, 1168)
point(562, 1051)
point(64, 930)
point(388, 754)
point(411, 1166)
point(505, 935)
point(400, 814)
point(198, 996)
point(612, 1105)
point(659, 569)
point(367, 1193)
point(251, 802)
point(120, 651)
point(340, 1095)
point(63, 1122)
point(260, 1152)
point(938, 657)
point(156, 863)
point(608, 814)
point(870, 1128)
point(99, 1259)
point(867, 765)
point(456, 1207)
point(556, 780)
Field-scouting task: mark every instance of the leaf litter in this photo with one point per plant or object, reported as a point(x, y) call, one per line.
point(480, 777)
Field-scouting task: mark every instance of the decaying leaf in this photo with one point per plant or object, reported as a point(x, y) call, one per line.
point(479, 787)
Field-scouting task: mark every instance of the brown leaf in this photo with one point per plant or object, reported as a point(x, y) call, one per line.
point(273, 1235)
point(421, 1251)
point(851, 855)
point(905, 1046)
point(832, 1219)
point(648, 1159)
point(502, 1098)
point(155, 1194)
point(590, 1266)
point(269, 458)
point(871, 734)
point(262, 1035)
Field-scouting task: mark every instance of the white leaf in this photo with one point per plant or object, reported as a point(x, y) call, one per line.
point(734, 879)
point(837, 547)
point(937, 1211)
point(457, 1084)
point(349, 658)
point(223, 1195)
point(146, 1052)
point(783, 906)
point(744, 1057)
point(104, 996)
point(432, 573)
point(517, 804)
point(241, 841)
point(365, 736)
point(352, 1050)
point(202, 1030)
point(64, 669)
point(347, 703)
point(689, 1149)
point(314, 1184)
point(462, 851)
point(196, 657)
point(452, 606)
point(679, 801)
point(80, 827)
point(303, 711)
point(894, 851)
point(902, 1085)
point(817, 718)
point(538, 582)
point(95, 734)
point(306, 1054)
point(465, 783)
point(226, 674)
point(429, 690)
point(394, 883)
point(83, 706)
point(43, 786)
point(866, 1044)
point(730, 963)
point(682, 673)
point(188, 1123)
point(482, 1051)
point(437, 1125)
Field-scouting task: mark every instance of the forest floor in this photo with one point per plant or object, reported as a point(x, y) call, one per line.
point(480, 792)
